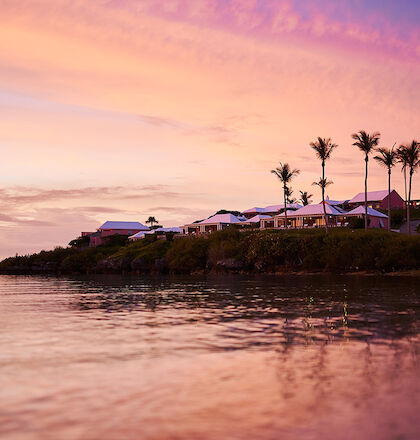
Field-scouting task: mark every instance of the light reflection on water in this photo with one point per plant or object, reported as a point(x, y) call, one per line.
point(207, 358)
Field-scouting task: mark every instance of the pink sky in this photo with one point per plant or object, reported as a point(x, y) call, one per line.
point(117, 110)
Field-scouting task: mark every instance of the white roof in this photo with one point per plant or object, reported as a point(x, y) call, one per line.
point(124, 225)
point(221, 218)
point(334, 202)
point(372, 196)
point(316, 210)
point(257, 218)
point(140, 234)
point(361, 210)
point(274, 208)
point(254, 209)
point(173, 229)
point(288, 212)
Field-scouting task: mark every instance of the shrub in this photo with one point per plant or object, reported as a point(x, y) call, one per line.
point(224, 244)
point(115, 240)
point(357, 223)
point(397, 219)
point(80, 242)
point(187, 254)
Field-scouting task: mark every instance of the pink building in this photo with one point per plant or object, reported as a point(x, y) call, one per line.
point(376, 218)
point(115, 228)
point(378, 200)
point(269, 210)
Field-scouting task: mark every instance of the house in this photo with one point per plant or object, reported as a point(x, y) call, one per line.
point(377, 200)
point(252, 212)
point(214, 223)
point(115, 228)
point(376, 219)
point(342, 204)
point(312, 216)
point(269, 210)
point(257, 219)
point(158, 231)
point(277, 220)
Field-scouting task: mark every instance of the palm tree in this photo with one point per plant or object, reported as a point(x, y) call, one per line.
point(402, 158)
point(305, 198)
point(410, 158)
point(366, 143)
point(289, 198)
point(323, 183)
point(285, 174)
point(387, 159)
point(323, 148)
point(152, 221)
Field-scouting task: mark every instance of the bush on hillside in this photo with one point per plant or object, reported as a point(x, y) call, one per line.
point(188, 254)
point(80, 242)
point(397, 219)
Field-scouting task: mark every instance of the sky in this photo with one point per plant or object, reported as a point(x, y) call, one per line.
point(122, 109)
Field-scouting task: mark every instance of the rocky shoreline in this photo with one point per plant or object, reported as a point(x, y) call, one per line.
point(229, 251)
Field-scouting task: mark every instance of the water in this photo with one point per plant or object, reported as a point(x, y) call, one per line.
point(306, 357)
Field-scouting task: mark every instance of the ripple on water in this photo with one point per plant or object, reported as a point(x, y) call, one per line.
point(209, 358)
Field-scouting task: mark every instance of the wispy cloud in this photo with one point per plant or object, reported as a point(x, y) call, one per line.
point(18, 196)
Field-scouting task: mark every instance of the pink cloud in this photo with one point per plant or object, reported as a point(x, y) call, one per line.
point(113, 108)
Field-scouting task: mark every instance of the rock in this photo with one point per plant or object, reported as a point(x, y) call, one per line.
point(110, 265)
point(140, 264)
point(229, 264)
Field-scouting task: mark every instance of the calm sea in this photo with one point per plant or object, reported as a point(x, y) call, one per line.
point(299, 357)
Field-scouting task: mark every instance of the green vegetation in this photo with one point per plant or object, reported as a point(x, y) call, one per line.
point(228, 211)
point(398, 217)
point(305, 198)
point(342, 250)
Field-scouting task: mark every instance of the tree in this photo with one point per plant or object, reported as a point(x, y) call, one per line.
point(402, 159)
point(285, 174)
point(152, 221)
point(366, 143)
point(409, 156)
point(387, 158)
point(323, 148)
point(323, 183)
point(305, 198)
point(227, 211)
point(289, 198)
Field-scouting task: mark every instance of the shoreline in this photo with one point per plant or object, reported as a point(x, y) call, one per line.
point(277, 273)
point(230, 251)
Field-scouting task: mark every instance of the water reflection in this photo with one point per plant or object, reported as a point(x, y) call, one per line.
point(209, 358)
point(269, 311)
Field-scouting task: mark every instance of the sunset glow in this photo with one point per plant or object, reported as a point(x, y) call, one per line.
point(122, 109)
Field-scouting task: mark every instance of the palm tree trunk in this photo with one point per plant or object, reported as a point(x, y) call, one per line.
point(323, 197)
point(285, 207)
point(405, 190)
point(366, 177)
point(389, 199)
point(409, 202)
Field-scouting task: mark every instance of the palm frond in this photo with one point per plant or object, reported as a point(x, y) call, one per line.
point(409, 155)
point(285, 173)
point(323, 183)
point(323, 147)
point(365, 141)
point(386, 158)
